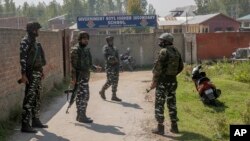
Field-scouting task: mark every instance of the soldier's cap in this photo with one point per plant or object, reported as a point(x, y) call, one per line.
point(31, 26)
point(83, 34)
point(110, 38)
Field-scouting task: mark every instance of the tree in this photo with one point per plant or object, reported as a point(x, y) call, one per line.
point(202, 6)
point(91, 6)
point(53, 9)
point(244, 8)
point(134, 7)
point(25, 9)
point(144, 4)
point(233, 8)
point(12, 7)
point(74, 8)
point(216, 6)
point(119, 6)
point(151, 9)
point(111, 5)
point(103, 7)
point(41, 8)
point(1, 9)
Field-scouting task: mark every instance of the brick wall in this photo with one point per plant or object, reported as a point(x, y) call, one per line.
point(219, 45)
point(11, 93)
point(14, 22)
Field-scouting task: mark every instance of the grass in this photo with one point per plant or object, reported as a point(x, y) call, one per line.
point(7, 126)
point(207, 123)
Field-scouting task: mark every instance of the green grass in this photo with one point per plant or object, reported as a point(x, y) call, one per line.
point(7, 126)
point(205, 123)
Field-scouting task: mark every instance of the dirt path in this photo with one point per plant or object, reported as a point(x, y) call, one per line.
point(130, 120)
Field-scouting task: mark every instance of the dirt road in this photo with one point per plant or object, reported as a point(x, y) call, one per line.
point(130, 120)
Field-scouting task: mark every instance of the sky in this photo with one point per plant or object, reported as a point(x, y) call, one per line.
point(162, 6)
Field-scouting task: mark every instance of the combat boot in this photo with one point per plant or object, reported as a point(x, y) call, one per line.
point(159, 130)
point(115, 98)
point(174, 127)
point(102, 94)
point(77, 117)
point(27, 128)
point(38, 124)
point(84, 119)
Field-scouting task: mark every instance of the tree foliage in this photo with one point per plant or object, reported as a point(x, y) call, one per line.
point(232, 8)
point(42, 12)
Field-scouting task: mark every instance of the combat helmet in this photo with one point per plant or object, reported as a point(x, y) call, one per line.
point(167, 37)
point(108, 38)
point(83, 34)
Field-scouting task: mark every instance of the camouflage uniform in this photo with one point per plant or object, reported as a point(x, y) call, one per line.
point(33, 70)
point(81, 61)
point(168, 64)
point(112, 65)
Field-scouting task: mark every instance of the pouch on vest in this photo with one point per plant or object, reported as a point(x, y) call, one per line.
point(84, 60)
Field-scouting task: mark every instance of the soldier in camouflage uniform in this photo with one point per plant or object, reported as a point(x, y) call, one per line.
point(112, 65)
point(81, 61)
point(32, 61)
point(167, 66)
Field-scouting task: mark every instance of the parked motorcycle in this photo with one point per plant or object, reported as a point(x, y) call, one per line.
point(207, 90)
point(127, 63)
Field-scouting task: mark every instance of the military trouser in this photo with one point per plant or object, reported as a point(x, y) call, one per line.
point(31, 102)
point(165, 92)
point(82, 96)
point(112, 79)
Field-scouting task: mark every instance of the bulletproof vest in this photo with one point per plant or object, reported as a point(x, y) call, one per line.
point(36, 59)
point(171, 62)
point(112, 53)
point(83, 61)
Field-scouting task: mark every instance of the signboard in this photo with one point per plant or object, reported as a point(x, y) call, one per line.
point(116, 21)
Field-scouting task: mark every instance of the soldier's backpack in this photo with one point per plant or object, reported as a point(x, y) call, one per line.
point(172, 61)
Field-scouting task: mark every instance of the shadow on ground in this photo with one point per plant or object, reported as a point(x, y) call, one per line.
point(42, 135)
point(47, 115)
point(126, 104)
point(218, 106)
point(102, 128)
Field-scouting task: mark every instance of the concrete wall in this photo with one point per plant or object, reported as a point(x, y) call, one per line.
point(11, 93)
point(190, 48)
point(144, 47)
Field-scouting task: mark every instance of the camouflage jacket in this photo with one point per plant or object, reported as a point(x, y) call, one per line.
point(31, 55)
point(111, 56)
point(168, 64)
point(81, 61)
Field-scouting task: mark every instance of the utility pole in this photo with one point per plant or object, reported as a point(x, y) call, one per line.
point(186, 22)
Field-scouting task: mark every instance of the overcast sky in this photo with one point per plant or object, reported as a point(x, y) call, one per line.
point(162, 6)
